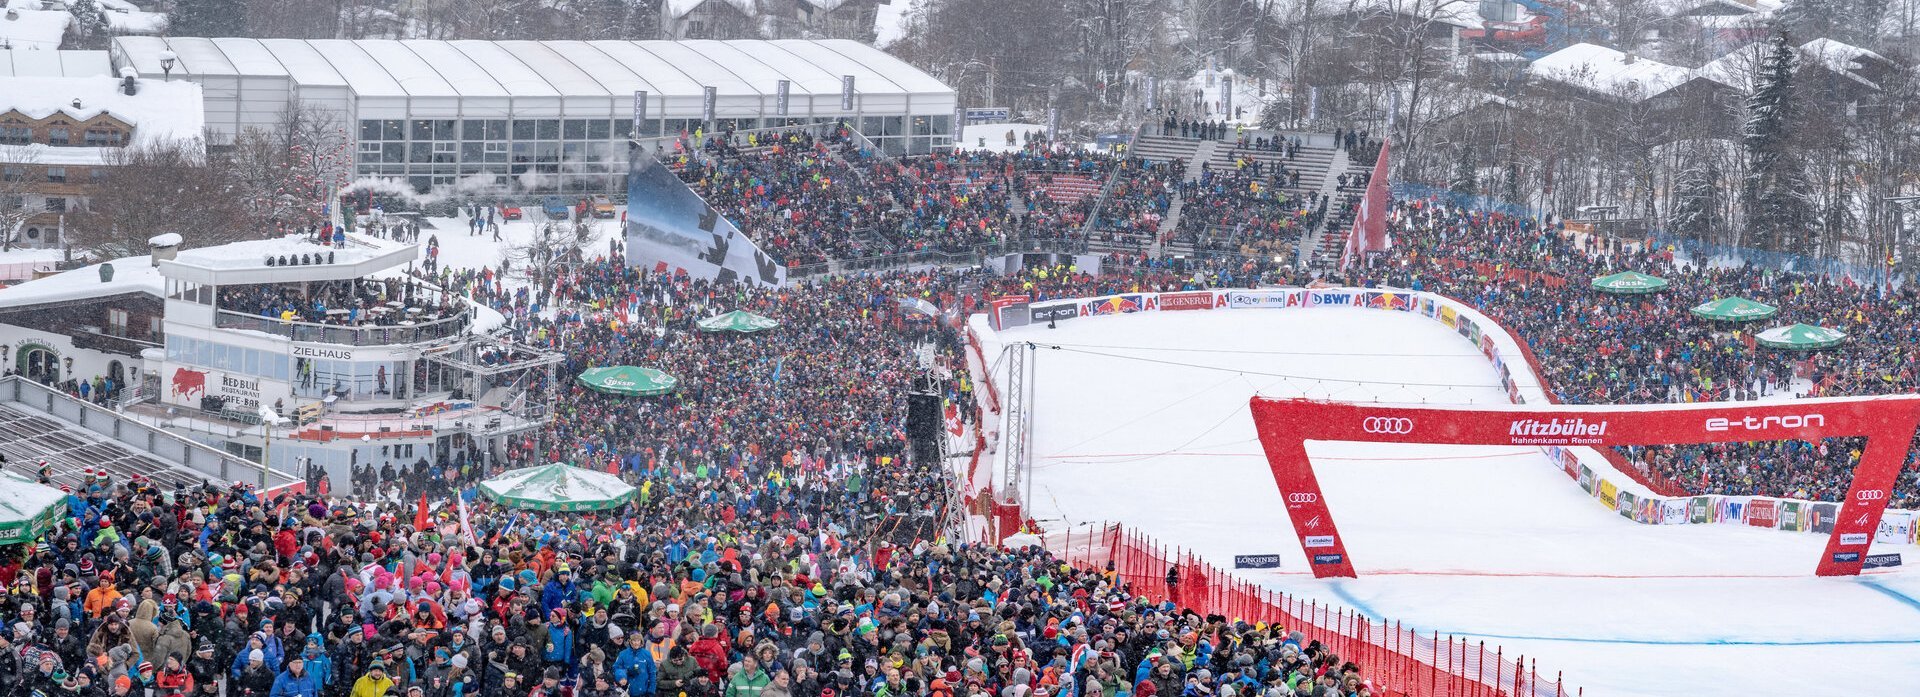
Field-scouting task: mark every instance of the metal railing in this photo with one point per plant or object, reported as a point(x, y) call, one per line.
point(364, 335)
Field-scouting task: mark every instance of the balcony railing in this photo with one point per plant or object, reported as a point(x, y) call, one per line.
point(409, 332)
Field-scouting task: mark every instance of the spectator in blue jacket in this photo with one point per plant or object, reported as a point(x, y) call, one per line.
point(559, 591)
point(635, 667)
point(295, 681)
point(559, 650)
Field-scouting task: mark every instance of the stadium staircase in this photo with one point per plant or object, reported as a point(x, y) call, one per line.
point(1317, 240)
point(1165, 149)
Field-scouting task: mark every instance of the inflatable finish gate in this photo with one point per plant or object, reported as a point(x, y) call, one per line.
point(1888, 424)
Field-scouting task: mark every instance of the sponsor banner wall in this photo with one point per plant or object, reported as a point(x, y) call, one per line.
point(1609, 495)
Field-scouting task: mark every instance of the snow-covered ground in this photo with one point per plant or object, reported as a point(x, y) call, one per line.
point(459, 250)
point(1486, 542)
point(992, 137)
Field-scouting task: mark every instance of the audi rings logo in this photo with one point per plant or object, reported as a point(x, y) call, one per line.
point(1390, 425)
point(1871, 495)
point(1303, 498)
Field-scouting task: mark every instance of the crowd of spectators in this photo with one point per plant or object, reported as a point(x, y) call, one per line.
point(356, 302)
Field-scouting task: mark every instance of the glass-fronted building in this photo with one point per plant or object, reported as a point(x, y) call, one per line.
point(544, 116)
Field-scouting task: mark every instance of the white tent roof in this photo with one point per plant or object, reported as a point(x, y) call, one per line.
point(541, 68)
point(21, 61)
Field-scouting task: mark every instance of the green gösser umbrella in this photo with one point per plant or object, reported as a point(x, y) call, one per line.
point(558, 487)
point(1629, 283)
point(27, 508)
point(1801, 337)
point(739, 321)
point(1734, 310)
point(629, 380)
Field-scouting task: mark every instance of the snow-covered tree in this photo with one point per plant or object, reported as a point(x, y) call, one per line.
point(1775, 195)
point(89, 29)
point(1465, 179)
point(1698, 210)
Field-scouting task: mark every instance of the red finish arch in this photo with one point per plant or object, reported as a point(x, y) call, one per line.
point(1888, 423)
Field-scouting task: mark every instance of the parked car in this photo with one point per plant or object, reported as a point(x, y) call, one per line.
point(554, 207)
point(602, 206)
point(510, 212)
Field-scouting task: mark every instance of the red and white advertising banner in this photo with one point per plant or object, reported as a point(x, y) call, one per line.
point(1888, 423)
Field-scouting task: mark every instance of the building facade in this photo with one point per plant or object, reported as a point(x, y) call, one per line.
point(58, 135)
point(544, 116)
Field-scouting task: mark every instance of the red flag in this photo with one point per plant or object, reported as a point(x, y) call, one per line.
point(1369, 231)
point(420, 519)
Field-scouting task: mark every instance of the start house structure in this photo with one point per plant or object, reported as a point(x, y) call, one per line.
point(544, 116)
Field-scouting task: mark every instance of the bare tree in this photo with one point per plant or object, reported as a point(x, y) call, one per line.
point(163, 187)
point(14, 188)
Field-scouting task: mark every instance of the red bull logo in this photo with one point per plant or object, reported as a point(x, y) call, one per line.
point(1117, 305)
point(187, 382)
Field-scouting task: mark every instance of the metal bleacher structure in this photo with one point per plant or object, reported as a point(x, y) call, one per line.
point(38, 422)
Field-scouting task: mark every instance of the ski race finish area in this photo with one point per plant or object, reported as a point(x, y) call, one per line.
point(1888, 423)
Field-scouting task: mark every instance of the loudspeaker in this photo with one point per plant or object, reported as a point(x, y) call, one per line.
point(923, 416)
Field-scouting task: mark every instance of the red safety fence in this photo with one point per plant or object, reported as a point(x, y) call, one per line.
point(1397, 660)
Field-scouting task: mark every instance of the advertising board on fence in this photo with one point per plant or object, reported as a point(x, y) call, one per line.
point(1042, 314)
point(1761, 513)
point(1881, 561)
point(1116, 305)
point(1203, 300)
point(1609, 495)
point(1256, 561)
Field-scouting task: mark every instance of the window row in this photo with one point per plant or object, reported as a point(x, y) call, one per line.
point(267, 364)
point(60, 136)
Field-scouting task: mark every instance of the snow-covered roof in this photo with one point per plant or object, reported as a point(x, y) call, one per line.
point(130, 275)
point(158, 111)
point(24, 25)
point(1737, 69)
point(124, 17)
point(44, 62)
point(246, 261)
point(1845, 59)
point(165, 239)
point(1604, 70)
point(420, 68)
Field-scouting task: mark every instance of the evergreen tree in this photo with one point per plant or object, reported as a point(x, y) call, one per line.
point(209, 18)
point(1465, 179)
point(1775, 195)
point(89, 29)
point(1698, 212)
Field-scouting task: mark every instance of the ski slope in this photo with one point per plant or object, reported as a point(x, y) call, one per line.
point(1142, 418)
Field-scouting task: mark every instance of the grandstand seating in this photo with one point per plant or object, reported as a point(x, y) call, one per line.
point(1164, 148)
point(28, 438)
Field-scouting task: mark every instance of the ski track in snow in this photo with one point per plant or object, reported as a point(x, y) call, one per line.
point(1486, 542)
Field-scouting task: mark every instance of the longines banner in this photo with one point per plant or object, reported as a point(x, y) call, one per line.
point(1888, 423)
